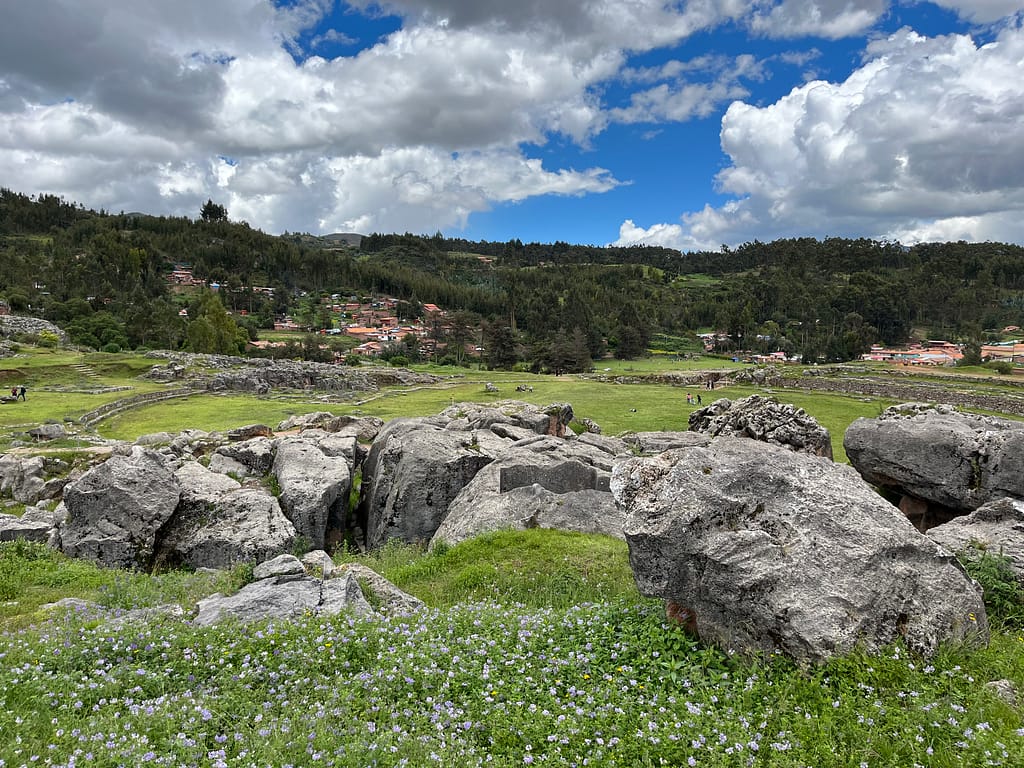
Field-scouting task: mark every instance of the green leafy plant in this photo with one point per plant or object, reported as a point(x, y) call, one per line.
point(1003, 594)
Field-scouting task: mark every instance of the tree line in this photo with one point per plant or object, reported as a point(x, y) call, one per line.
point(553, 306)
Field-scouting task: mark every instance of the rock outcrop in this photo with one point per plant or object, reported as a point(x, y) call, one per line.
point(943, 463)
point(769, 550)
point(283, 589)
point(255, 455)
point(218, 523)
point(996, 527)
point(14, 527)
point(412, 473)
point(284, 597)
point(15, 325)
point(651, 443)
point(541, 482)
point(314, 487)
point(114, 511)
point(764, 419)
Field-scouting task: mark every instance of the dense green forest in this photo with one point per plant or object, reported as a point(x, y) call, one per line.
point(103, 277)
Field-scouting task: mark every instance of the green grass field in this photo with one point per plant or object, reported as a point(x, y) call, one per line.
point(535, 647)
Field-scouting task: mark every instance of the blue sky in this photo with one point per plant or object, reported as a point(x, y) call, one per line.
point(686, 124)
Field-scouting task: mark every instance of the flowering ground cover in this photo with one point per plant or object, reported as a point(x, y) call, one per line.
point(480, 682)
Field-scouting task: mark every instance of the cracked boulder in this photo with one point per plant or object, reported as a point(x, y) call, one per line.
point(542, 482)
point(114, 511)
point(413, 472)
point(938, 463)
point(764, 550)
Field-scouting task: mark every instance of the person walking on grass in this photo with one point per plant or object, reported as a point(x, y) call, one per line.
point(21, 393)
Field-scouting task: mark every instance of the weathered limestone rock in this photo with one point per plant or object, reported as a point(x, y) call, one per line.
point(545, 482)
point(257, 454)
point(285, 597)
point(337, 446)
point(318, 563)
point(412, 473)
point(50, 431)
point(13, 325)
point(651, 443)
point(764, 419)
point(249, 431)
point(776, 551)
point(218, 523)
point(13, 527)
point(305, 421)
point(282, 565)
point(385, 596)
point(553, 419)
point(155, 439)
point(314, 487)
point(954, 461)
point(363, 428)
point(223, 465)
point(996, 527)
point(115, 510)
point(22, 477)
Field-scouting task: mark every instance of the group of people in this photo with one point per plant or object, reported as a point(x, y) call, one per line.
point(18, 393)
point(693, 399)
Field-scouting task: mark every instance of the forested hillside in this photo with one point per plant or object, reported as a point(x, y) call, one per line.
point(104, 277)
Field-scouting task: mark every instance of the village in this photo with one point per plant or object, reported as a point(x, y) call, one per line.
point(373, 322)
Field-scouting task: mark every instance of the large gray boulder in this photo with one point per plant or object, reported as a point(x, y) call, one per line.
point(314, 487)
point(996, 528)
point(218, 523)
point(544, 482)
point(769, 550)
point(115, 510)
point(953, 462)
point(412, 473)
point(765, 419)
point(285, 597)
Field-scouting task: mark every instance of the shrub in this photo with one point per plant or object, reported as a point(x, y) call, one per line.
point(111, 348)
point(1003, 367)
point(48, 339)
point(398, 361)
point(355, 360)
point(1003, 595)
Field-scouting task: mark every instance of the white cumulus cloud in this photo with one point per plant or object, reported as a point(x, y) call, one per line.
point(923, 140)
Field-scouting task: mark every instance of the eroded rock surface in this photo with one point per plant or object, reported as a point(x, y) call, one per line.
point(542, 482)
point(764, 419)
point(953, 461)
point(115, 510)
point(776, 551)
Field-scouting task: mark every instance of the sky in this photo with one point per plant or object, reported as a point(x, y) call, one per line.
point(692, 124)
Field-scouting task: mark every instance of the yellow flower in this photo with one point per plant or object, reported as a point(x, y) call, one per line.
point(972, 617)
